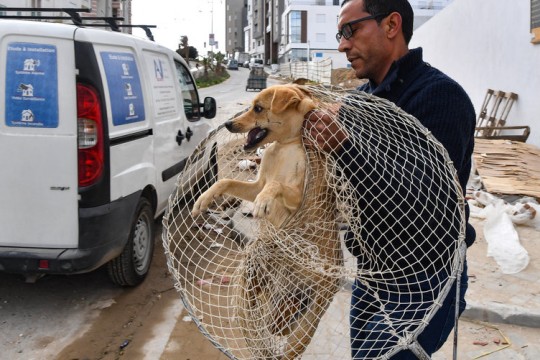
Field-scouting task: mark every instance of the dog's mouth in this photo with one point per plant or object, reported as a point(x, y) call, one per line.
point(255, 136)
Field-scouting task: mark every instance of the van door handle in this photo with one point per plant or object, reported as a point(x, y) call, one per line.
point(180, 137)
point(189, 134)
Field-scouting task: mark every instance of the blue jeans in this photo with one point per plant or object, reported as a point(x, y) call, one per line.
point(376, 323)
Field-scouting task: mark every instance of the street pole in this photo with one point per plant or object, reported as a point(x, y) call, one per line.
point(212, 25)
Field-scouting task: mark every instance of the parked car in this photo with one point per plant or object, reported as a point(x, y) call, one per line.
point(241, 57)
point(95, 127)
point(255, 62)
point(232, 64)
point(246, 64)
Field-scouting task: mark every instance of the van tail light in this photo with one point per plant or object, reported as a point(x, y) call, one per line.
point(90, 135)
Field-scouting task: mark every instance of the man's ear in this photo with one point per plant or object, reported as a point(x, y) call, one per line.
point(393, 25)
point(283, 99)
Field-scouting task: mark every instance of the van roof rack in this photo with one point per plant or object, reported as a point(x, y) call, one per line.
point(75, 18)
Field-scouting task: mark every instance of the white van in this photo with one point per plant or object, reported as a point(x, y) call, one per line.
point(95, 126)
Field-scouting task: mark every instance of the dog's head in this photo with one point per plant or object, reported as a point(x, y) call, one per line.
point(277, 114)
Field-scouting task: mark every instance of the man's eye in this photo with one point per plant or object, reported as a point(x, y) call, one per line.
point(257, 109)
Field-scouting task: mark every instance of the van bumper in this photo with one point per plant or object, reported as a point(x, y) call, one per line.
point(103, 233)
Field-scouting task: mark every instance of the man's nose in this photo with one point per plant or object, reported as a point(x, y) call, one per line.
point(344, 44)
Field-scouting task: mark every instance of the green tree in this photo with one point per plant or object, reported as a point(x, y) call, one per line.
point(193, 52)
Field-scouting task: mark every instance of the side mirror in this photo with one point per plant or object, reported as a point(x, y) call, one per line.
point(209, 107)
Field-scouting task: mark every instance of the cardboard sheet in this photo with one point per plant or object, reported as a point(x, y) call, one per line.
point(508, 167)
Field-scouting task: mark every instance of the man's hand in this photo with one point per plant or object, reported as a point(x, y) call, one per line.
point(323, 131)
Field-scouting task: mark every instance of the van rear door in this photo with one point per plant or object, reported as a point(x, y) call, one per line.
point(38, 136)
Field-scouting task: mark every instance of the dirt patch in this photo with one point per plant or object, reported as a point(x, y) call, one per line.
point(133, 311)
point(346, 78)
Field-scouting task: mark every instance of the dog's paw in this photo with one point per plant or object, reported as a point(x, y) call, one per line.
point(202, 203)
point(263, 205)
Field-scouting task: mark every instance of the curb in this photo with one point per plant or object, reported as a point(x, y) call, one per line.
point(502, 313)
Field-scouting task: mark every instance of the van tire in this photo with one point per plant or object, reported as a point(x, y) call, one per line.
point(132, 265)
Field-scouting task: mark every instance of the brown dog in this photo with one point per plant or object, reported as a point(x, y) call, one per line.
point(277, 116)
point(278, 295)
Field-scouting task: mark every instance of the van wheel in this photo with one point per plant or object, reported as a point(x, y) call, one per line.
point(131, 267)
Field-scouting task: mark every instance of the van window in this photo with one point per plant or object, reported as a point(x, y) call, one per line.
point(189, 92)
point(127, 104)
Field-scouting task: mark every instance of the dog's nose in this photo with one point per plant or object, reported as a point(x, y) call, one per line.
point(229, 125)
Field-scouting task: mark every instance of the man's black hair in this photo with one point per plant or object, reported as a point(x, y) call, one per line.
point(402, 7)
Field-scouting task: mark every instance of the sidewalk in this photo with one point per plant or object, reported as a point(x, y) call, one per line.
point(496, 297)
point(503, 309)
point(508, 304)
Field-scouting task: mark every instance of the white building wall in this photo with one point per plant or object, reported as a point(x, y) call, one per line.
point(487, 44)
point(321, 28)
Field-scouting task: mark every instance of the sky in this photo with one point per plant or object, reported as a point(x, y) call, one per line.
point(175, 18)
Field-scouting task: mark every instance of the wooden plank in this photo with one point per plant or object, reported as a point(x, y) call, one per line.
point(508, 167)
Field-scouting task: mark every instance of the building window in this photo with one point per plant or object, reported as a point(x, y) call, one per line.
point(320, 37)
point(535, 21)
point(320, 18)
point(299, 55)
point(336, 2)
point(295, 26)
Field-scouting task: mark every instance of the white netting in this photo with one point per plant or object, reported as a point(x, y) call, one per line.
point(390, 198)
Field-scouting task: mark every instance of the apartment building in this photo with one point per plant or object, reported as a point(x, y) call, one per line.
point(255, 30)
point(308, 30)
point(235, 22)
point(281, 31)
point(98, 8)
point(277, 31)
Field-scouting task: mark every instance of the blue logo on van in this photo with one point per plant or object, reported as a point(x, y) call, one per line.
point(31, 85)
point(125, 91)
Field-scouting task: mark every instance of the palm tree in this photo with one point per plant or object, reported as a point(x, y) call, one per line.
point(207, 62)
point(183, 47)
point(219, 57)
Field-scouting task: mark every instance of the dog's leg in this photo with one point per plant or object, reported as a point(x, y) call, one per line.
point(303, 332)
point(240, 189)
point(275, 193)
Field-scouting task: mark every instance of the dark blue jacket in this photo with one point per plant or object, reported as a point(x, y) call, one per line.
point(444, 108)
point(437, 101)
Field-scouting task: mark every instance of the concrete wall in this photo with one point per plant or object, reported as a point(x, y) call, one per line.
point(487, 44)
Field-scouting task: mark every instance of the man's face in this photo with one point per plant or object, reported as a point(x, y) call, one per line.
point(367, 49)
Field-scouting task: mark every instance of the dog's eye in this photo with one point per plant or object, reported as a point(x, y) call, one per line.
point(257, 109)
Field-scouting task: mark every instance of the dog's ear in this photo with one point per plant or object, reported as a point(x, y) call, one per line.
point(307, 104)
point(285, 98)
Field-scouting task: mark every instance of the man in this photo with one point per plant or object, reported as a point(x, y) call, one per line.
point(374, 34)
